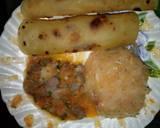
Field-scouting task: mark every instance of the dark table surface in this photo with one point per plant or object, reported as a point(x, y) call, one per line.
point(6, 120)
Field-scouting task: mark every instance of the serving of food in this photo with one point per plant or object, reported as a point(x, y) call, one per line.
point(118, 90)
point(77, 33)
point(82, 64)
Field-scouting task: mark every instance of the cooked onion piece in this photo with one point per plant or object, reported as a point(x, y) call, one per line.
point(116, 81)
point(77, 33)
point(49, 8)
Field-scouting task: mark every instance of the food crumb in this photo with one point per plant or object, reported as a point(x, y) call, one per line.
point(28, 120)
point(6, 60)
point(150, 101)
point(156, 52)
point(50, 125)
point(146, 26)
point(15, 102)
point(10, 60)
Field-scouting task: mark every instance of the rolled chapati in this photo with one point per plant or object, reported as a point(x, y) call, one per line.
point(49, 8)
point(38, 37)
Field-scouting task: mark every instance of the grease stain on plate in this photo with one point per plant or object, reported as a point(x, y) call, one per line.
point(8, 78)
point(122, 123)
point(14, 40)
point(19, 15)
point(97, 124)
point(10, 60)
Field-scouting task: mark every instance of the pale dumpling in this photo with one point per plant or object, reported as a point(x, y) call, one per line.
point(116, 80)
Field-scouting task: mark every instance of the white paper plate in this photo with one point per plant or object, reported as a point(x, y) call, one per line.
point(12, 65)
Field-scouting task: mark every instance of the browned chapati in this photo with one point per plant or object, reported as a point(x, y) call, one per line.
point(49, 8)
